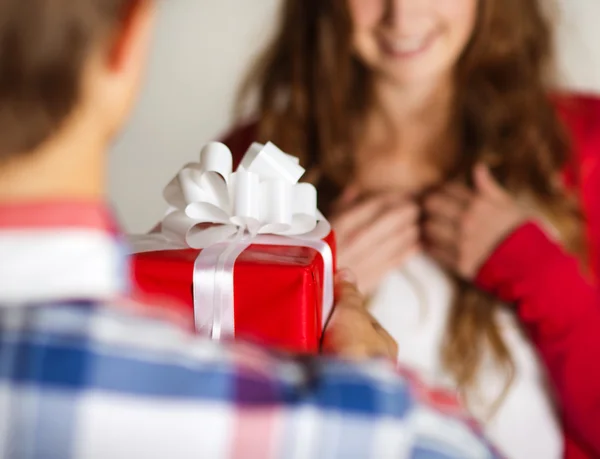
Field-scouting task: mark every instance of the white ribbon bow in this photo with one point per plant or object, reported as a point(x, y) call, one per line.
point(210, 204)
point(224, 212)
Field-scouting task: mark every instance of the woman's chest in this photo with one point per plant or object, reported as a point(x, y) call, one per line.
point(382, 170)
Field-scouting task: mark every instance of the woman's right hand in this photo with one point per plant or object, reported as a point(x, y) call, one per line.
point(375, 235)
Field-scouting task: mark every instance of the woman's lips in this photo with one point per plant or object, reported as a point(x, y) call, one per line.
point(404, 48)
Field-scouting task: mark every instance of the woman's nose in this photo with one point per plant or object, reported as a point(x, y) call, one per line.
point(399, 14)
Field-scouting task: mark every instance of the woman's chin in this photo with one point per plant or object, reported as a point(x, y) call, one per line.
point(410, 76)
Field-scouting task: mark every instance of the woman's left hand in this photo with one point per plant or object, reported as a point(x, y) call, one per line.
point(463, 227)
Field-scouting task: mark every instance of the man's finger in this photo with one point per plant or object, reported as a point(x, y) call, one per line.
point(348, 295)
point(391, 344)
point(375, 347)
point(345, 275)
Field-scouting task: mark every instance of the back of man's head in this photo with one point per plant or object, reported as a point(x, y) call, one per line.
point(45, 49)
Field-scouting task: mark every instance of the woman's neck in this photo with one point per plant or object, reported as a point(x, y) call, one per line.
point(405, 112)
point(408, 142)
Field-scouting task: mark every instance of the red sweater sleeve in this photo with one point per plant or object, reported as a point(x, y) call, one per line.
point(558, 302)
point(561, 309)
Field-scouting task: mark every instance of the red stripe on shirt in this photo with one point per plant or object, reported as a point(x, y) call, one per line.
point(57, 214)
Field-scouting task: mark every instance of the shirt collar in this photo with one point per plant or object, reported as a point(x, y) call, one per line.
point(60, 250)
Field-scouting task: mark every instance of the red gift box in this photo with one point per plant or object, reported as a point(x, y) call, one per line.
point(278, 291)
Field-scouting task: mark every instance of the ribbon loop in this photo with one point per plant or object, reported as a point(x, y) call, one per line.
point(216, 157)
point(262, 197)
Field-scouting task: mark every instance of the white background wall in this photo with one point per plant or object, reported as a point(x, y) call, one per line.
point(202, 48)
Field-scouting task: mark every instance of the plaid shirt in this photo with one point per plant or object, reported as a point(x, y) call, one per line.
point(87, 373)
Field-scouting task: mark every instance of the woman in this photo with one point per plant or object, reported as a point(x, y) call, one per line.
point(428, 123)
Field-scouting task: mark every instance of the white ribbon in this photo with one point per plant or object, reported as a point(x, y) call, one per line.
point(224, 212)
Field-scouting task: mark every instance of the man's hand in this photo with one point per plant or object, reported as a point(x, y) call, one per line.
point(352, 333)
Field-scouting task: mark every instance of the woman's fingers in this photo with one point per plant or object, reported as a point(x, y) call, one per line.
point(441, 233)
point(447, 204)
point(464, 227)
point(444, 214)
point(389, 224)
point(381, 244)
point(354, 218)
point(390, 253)
point(444, 256)
point(383, 256)
point(458, 192)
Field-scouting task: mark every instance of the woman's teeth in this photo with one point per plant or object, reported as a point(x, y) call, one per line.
point(409, 45)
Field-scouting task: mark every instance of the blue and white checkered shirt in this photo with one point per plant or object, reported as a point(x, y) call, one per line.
point(87, 373)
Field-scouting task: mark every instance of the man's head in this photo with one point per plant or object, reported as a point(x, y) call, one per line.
point(68, 65)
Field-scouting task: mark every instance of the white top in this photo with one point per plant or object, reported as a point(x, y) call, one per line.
point(413, 303)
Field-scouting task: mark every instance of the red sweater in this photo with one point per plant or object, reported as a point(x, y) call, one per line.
point(556, 301)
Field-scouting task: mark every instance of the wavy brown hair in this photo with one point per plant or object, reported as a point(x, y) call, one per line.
point(312, 92)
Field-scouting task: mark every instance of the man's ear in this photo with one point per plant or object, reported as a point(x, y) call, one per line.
point(131, 39)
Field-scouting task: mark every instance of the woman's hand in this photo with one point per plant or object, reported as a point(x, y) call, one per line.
point(375, 235)
point(352, 333)
point(463, 227)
